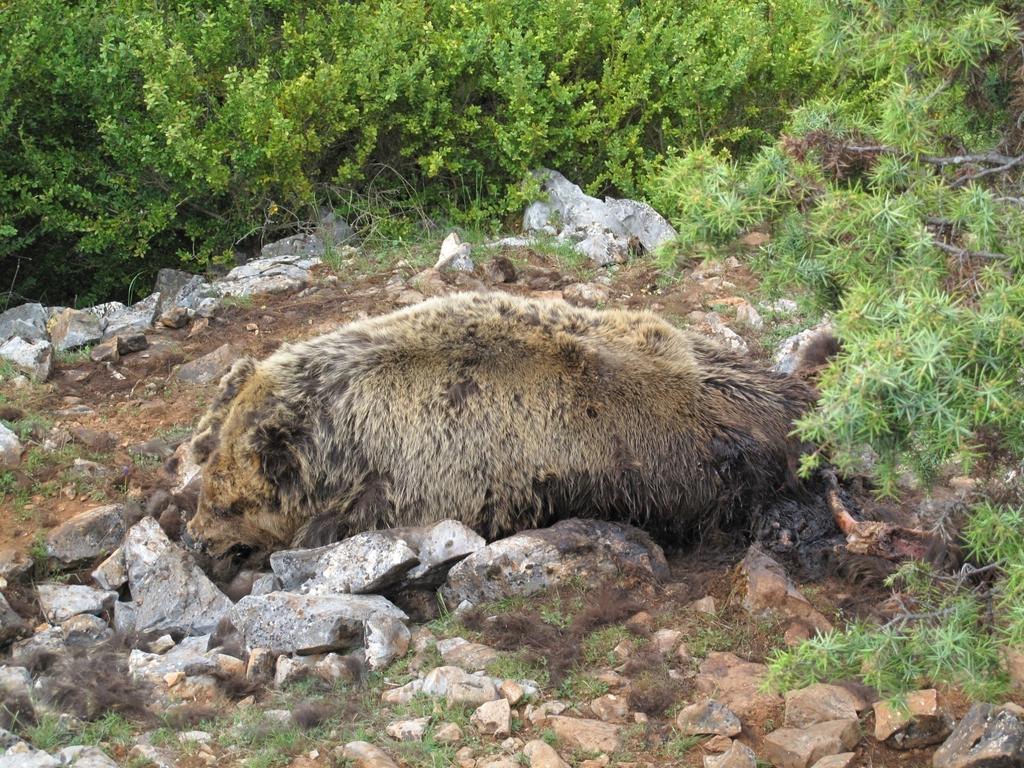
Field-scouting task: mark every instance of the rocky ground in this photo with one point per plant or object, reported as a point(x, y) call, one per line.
point(583, 644)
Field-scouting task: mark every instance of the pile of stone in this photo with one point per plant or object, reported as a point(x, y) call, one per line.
point(30, 334)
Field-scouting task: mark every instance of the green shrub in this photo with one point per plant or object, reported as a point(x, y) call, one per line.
point(136, 135)
point(916, 251)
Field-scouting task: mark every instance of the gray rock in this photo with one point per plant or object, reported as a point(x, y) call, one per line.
point(294, 567)
point(458, 686)
point(535, 560)
point(14, 563)
point(986, 737)
point(24, 756)
point(112, 573)
point(454, 255)
point(302, 246)
point(265, 584)
point(789, 355)
point(289, 623)
point(708, 718)
point(459, 652)
point(27, 321)
point(291, 669)
point(642, 222)
point(738, 755)
point(181, 289)
point(85, 629)
point(87, 536)
point(603, 231)
point(209, 367)
point(275, 273)
point(385, 638)
point(169, 591)
point(189, 657)
point(10, 448)
point(34, 357)
point(11, 624)
point(438, 548)
point(85, 757)
point(120, 320)
point(74, 328)
point(125, 616)
point(62, 601)
point(366, 562)
point(49, 640)
point(334, 230)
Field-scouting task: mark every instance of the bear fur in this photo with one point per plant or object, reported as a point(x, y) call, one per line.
point(502, 412)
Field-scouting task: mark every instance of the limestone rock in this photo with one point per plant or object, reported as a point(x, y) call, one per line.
point(209, 367)
point(292, 669)
point(819, 703)
point(112, 573)
point(923, 723)
point(801, 748)
point(543, 755)
point(586, 735)
point(454, 255)
point(170, 592)
point(534, 560)
point(585, 294)
point(708, 718)
point(448, 733)
point(116, 319)
point(87, 536)
point(62, 601)
point(385, 638)
point(34, 357)
point(26, 321)
point(735, 683)
point(459, 652)
point(610, 708)
point(768, 589)
point(10, 448)
point(73, 328)
point(286, 272)
point(289, 623)
point(458, 686)
point(842, 760)
point(408, 730)
point(986, 737)
point(493, 718)
point(365, 755)
point(364, 563)
point(738, 755)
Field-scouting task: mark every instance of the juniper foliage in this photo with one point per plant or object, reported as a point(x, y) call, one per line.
point(893, 202)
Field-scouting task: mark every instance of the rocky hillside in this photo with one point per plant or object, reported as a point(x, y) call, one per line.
point(582, 644)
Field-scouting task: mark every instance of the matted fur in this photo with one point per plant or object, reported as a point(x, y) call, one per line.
point(502, 412)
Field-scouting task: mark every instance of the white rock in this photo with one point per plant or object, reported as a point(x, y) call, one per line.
point(34, 357)
point(62, 601)
point(385, 638)
point(10, 448)
point(454, 255)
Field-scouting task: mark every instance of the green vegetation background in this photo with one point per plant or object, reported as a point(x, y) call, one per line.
point(135, 135)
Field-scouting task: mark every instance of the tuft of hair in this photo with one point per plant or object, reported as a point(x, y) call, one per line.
point(311, 714)
point(189, 715)
point(208, 429)
point(72, 685)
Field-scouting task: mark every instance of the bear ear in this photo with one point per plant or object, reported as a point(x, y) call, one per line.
point(208, 431)
point(277, 440)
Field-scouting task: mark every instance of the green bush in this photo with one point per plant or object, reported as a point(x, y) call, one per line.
point(135, 135)
point(916, 249)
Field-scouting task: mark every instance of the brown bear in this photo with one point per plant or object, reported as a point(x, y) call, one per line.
point(502, 412)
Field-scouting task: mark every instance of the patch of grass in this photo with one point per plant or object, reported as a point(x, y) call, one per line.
point(513, 666)
point(598, 645)
point(567, 257)
point(73, 356)
point(49, 733)
point(112, 728)
point(581, 686)
point(679, 746)
point(237, 302)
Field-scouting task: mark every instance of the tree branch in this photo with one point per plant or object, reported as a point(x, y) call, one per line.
point(964, 253)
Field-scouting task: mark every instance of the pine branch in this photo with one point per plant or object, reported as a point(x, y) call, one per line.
point(963, 253)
